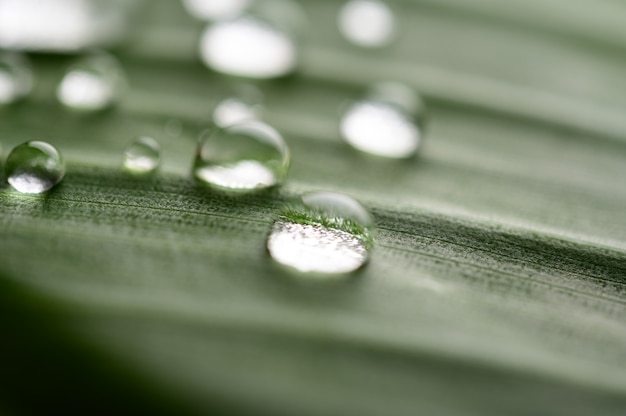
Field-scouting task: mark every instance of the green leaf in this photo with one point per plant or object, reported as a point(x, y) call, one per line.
point(496, 285)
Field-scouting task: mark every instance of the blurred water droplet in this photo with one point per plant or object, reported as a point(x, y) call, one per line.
point(16, 77)
point(34, 167)
point(322, 233)
point(367, 23)
point(61, 25)
point(243, 157)
point(383, 123)
point(244, 105)
point(93, 83)
point(261, 43)
point(142, 156)
point(215, 9)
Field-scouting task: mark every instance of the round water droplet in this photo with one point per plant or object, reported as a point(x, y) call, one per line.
point(34, 167)
point(261, 43)
point(323, 233)
point(243, 157)
point(245, 105)
point(16, 77)
point(142, 156)
point(367, 23)
point(383, 123)
point(93, 83)
point(215, 9)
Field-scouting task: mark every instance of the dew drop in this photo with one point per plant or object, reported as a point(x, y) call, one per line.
point(260, 44)
point(61, 25)
point(243, 106)
point(93, 83)
point(215, 9)
point(142, 156)
point(244, 157)
point(383, 123)
point(34, 167)
point(367, 23)
point(323, 233)
point(16, 77)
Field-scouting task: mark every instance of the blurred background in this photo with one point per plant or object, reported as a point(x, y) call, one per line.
point(487, 137)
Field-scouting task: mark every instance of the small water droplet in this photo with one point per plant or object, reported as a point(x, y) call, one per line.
point(93, 83)
point(245, 105)
point(322, 233)
point(142, 156)
point(61, 25)
point(383, 123)
point(261, 43)
point(215, 9)
point(34, 167)
point(367, 23)
point(244, 157)
point(16, 77)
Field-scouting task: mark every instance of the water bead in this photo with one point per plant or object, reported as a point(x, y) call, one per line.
point(34, 167)
point(386, 122)
point(323, 233)
point(16, 77)
point(260, 43)
point(93, 83)
point(367, 23)
point(244, 157)
point(142, 156)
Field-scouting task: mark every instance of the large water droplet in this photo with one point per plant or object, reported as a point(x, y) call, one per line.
point(16, 77)
point(383, 123)
point(323, 233)
point(243, 157)
point(367, 23)
point(34, 167)
point(142, 156)
point(215, 9)
point(93, 83)
point(245, 105)
point(61, 25)
point(258, 44)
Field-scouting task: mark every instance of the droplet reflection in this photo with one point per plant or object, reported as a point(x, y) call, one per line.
point(367, 23)
point(93, 83)
point(243, 105)
point(215, 9)
point(244, 157)
point(324, 234)
point(142, 156)
point(34, 167)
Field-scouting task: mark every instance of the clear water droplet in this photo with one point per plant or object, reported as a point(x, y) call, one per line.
point(61, 25)
point(386, 122)
point(261, 43)
point(244, 157)
point(215, 9)
point(142, 156)
point(16, 77)
point(245, 105)
point(93, 83)
point(323, 233)
point(34, 167)
point(367, 23)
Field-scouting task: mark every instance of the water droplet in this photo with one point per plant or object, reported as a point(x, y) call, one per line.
point(142, 156)
point(16, 77)
point(323, 233)
point(215, 9)
point(61, 25)
point(93, 83)
point(367, 23)
point(383, 123)
point(245, 105)
point(243, 157)
point(34, 167)
point(261, 43)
